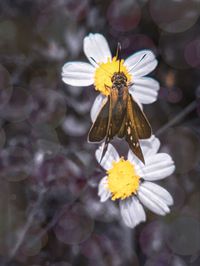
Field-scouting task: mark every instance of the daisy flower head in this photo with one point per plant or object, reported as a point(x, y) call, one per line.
point(131, 182)
point(102, 66)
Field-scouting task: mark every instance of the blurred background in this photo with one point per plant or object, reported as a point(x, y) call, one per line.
point(50, 214)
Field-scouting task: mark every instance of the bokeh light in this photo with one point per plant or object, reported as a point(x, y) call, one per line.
point(74, 127)
point(184, 146)
point(165, 258)
point(48, 107)
point(5, 87)
point(15, 163)
point(123, 16)
point(107, 212)
point(173, 47)
point(184, 236)
point(45, 138)
point(192, 53)
point(19, 106)
point(74, 226)
point(133, 43)
point(153, 238)
point(32, 244)
point(174, 16)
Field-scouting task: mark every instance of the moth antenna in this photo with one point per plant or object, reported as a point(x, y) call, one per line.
point(118, 50)
point(137, 63)
point(110, 75)
point(118, 54)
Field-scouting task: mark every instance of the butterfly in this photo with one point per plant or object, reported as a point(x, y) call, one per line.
point(120, 116)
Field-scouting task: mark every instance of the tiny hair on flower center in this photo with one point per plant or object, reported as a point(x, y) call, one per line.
point(123, 181)
point(104, 73)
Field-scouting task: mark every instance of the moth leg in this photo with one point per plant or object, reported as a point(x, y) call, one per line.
point(130, 84)
point(107, 88)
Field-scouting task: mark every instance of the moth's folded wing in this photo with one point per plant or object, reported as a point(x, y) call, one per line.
point(133, 142)
point(130, 131)
point(118, 104)
point(121, 132)
point(142, 125)
point(98, 130)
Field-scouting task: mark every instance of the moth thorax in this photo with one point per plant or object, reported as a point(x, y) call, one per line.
point(119, 79)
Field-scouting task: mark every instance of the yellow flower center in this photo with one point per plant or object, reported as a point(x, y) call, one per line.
point(104, 73)
point(123, 180)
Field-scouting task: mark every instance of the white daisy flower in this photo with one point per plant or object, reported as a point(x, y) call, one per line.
point(130, 181)
point(102, 66)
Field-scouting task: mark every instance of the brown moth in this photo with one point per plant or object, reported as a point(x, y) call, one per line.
point(120, 116)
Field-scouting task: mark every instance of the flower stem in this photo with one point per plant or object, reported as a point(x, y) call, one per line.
point(177, 118)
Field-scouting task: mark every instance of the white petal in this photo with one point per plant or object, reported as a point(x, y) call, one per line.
point(132, 212)
point(160, 191)
point(103, 191)
point(78, 74)
point(150, 146)
point(157, 166)
point(141, 63)
point(145, 90)
point(110, 156)
point(153, 201)
point(135, 161)
point(96, 48)
point(97, 105)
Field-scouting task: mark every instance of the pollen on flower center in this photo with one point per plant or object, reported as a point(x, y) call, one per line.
point(123, 180)
point(104, 73)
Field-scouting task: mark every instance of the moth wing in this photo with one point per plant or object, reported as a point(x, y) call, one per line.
point(131, 127)
point(141, 122)
point(118, 110)
point(132, 140)
point(117, 113)
point(121, 132)
point(98, 130)
point(113, 127)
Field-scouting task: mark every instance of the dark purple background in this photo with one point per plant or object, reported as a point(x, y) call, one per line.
point(50, 214)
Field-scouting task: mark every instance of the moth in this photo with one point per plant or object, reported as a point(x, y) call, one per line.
point(120, 116)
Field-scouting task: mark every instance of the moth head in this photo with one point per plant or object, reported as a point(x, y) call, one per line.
point(119, 76)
